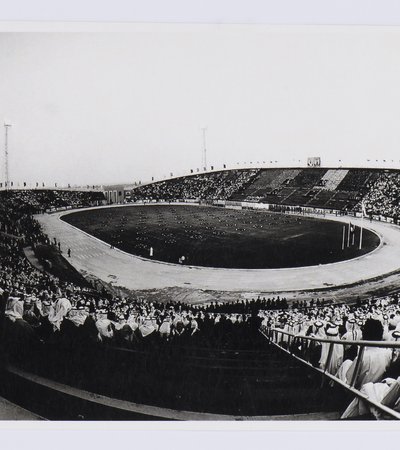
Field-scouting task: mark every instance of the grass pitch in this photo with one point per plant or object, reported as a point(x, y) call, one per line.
point(219, 237)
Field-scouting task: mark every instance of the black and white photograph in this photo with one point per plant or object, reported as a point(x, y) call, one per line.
point(200, 222)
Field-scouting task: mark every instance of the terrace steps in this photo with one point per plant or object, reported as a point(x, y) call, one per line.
point(235, 385)
point(332, 179)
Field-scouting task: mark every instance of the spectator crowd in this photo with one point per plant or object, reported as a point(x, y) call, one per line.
point(37, 308)
point(209, 186)
point(378, 374)
point(379, 190)
point(383, 197)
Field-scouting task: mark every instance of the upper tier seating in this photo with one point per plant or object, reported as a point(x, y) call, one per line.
point(338, 189)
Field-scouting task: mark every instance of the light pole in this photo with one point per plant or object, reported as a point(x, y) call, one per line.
point(7, 125)
point(204, 129)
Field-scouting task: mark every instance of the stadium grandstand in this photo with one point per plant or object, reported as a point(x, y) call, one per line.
point(331, 189)
point(87, 348)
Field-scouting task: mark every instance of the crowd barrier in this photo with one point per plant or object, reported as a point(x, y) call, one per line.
point(295, 209)
point(301, 347)
point(67, 208)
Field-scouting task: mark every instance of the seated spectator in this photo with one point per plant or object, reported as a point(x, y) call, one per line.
point(349, 356)
point(386, 392)
point(105, 330)
point(124, 337)
point(375, 360)
point(165, 327)
point(58, 311)
point(20, 337)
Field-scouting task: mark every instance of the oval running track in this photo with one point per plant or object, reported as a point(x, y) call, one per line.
point(91, 256)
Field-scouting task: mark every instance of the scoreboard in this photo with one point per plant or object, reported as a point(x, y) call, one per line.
point(314, 161)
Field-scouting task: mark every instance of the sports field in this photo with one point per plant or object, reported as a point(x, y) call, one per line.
point(217, 237)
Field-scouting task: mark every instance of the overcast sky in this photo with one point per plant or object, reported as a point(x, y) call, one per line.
point(118, 107)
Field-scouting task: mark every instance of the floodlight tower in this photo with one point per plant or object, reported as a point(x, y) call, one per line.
point(7, 125)
point(204, 129)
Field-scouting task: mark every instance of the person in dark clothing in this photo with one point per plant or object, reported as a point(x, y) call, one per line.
point(20, 340)
point(124, 337)
point(89, 330)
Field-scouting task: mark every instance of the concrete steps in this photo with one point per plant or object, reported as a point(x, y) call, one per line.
point(228, 387)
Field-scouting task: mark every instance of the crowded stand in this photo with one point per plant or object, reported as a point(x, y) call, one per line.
point(377, 377)
point(38, 307)
point(40, 313)
point(41, 200)
point(209, 186)
point(333, 189)
point(383, 197)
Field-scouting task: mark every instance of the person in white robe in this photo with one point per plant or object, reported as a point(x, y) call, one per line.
point(165, 328)
point(77, 316)
point(287, 328)
point(304, 326)
point(387, 392)
point(375, 360)
point(14, 309)
point(317, 330)
point(332, 332)
point(343, 370)
point(147, 327)
point(386, 331)
point(353, 332)
point(58, 311)
point(194, 327)
point(132, 322)
point(105, 329)
point(349, 355)
point(121, 322)
point(264, 323)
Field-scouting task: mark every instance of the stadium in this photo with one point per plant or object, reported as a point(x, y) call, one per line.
point(261, 290)
point(255, 332)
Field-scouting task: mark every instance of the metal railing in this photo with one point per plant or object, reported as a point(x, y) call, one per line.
point(300, 347)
